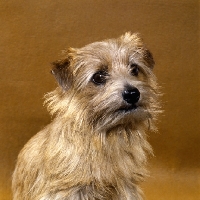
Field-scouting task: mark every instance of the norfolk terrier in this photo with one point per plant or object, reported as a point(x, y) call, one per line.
point(96, 147)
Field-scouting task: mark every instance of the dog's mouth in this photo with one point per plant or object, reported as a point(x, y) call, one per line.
point(128, 108)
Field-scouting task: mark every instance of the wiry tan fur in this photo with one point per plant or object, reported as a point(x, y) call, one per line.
point(92, 150)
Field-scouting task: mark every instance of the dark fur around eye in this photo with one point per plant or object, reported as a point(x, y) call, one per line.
point(134, 69)
point(99, 78)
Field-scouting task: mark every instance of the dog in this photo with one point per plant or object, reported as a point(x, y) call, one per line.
point(96, 147)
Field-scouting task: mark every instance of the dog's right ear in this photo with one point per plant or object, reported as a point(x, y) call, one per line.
point(61, 69)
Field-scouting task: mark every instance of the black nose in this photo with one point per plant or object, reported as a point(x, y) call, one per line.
point(131, 96)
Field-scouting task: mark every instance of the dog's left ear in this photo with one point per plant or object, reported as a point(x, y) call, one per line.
point(148, 57)
point(61, 70)
point(136, 40)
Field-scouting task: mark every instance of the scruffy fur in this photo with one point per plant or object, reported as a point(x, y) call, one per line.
point(96, 147)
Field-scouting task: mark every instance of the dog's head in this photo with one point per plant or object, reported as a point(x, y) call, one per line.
point(109, 82)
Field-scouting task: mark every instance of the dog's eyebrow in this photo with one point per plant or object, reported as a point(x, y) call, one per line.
point(103, 68)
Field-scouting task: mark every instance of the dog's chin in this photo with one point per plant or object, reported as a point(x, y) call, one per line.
point(132, 113)
point(124, 116)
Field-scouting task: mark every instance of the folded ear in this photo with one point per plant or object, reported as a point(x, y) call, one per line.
point(135, 39)
point(148, 57)
point(61, 70)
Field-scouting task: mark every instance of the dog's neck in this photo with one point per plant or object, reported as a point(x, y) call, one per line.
point(107, 152)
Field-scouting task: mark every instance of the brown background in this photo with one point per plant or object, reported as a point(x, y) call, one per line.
point(33, 32)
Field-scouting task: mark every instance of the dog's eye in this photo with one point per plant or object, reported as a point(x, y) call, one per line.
point(134, 69)
point(99, 78)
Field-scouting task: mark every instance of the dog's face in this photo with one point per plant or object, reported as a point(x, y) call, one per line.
point(110, 81)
